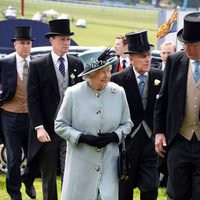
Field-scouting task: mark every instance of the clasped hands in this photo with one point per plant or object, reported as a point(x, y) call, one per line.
point(99, 141)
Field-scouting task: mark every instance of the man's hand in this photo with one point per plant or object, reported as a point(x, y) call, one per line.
point(160, 144)
point(42, 135)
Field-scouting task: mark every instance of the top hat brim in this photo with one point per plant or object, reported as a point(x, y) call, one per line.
point(110, 61)
point(14, 39)
point(181, 39)
point(140, 52)
point(48, 35)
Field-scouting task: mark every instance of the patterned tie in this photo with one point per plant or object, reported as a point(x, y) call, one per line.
point(141, 83)
point(123, 64)
point(62, 66)
point(196, 73)
point(25, 71)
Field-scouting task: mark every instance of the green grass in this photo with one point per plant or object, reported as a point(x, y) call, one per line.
point(103, 23)
point(38, 186)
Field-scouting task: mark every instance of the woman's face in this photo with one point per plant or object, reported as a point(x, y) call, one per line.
point(100, 78)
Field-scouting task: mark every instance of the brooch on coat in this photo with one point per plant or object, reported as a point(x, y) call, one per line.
point(156, 82)
point(113, 90)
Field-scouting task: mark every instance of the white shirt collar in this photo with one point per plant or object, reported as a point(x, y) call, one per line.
point(19, 58)
point(56, 62)
point(137, 74)
point(127, 60)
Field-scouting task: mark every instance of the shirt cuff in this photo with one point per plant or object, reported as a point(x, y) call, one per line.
point(40, 126)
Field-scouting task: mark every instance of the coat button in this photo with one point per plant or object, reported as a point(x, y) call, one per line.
point(98, 168)
point(98, 112)
point(99, 150)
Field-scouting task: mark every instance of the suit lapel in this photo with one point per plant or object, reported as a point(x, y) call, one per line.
point(181, 73)
point(152, 88)
point(71, 71)
point(11, 72)
point(52, 74)
point(131, 85)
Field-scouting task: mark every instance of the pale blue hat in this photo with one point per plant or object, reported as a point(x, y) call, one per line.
point(95, 59)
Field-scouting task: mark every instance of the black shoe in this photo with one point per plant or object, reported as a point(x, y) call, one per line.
point(30, 191)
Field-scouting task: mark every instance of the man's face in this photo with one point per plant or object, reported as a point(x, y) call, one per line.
point(192, 50)
point(165, 51)
point(120, 48)
point(141, 62)
point(60, 44)
point(23, 47)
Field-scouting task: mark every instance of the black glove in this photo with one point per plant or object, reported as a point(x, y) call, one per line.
point(106, 138)
point(91, 140)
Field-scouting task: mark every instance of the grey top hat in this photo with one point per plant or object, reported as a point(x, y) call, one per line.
point(138, 42)
point(59, 27)
point(191, 29)
point(22, 33)
point(95, 59)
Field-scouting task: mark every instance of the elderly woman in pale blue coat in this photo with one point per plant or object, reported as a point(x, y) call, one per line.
point(93, 118)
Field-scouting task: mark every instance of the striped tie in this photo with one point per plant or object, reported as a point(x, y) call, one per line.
point(61, 66)
point(25, 71)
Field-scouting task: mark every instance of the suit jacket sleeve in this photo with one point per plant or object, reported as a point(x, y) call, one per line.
point(33, 96)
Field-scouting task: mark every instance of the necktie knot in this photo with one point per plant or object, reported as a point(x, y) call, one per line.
point(196, 73)
point(142, 78)
point(25, 64)
point(61, 59)
point(123, 64)
point(61, 66)
point(141, 83)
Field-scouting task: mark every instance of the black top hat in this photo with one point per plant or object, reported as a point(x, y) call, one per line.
point(59, 27)
point(138, 42)
point(22, 33)
point(191, 29)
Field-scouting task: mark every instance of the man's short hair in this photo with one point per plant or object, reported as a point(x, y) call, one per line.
point(168, 43)
point(123, 38)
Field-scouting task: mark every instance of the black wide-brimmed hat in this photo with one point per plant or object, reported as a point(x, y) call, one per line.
point(191, 29)
point(22, 33)
point(59, 27)
point(138, 42)
point(95, 59)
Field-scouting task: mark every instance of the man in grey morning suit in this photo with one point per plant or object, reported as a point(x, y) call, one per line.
point(14, 115)
point(141, 83)
point(49, 77)
point(177, 125)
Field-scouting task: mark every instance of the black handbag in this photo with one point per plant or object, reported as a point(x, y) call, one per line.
point(123, 162)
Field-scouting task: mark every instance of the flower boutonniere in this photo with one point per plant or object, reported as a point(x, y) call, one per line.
point(113, 90)
point(157, 82)
point(72, 77)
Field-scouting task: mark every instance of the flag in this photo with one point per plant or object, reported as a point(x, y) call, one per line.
point(168, 27)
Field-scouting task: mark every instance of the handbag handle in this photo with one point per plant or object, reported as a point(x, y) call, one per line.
point(123, 143)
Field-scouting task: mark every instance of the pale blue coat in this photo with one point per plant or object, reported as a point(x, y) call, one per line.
point(88, 169)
